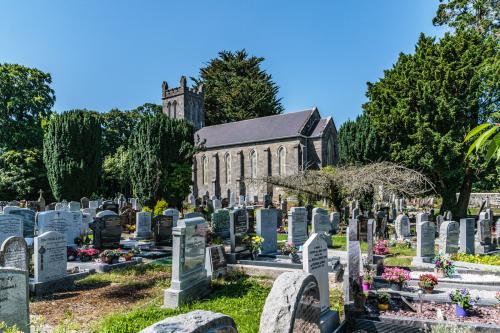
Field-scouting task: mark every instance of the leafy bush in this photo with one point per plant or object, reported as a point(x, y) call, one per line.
point(478, 259)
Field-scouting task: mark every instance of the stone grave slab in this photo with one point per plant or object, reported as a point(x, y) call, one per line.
point(215, 261)
point(297, 226)
point(14, 298)
point(14, 253)
point(10, 225)
point(266, 228)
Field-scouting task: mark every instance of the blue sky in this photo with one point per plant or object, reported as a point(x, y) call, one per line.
point(105, 54)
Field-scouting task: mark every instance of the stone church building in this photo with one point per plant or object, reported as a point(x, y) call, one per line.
point(235, 153)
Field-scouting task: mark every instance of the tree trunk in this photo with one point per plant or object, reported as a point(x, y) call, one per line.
point(465, 190)
point(449, 197)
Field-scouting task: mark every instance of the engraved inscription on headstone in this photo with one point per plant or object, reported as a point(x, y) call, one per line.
point(14, 253)
point(50, 256)
point(14, 299)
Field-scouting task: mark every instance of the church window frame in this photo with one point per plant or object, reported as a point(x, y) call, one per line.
point(281, 161)
point(227, 167)
point(253, 164)
point(204, 170)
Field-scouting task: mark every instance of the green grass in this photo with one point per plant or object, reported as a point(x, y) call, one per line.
point(478, 259)
point(282, 237)
point(401, 256)
point(242, 298)
point(340, 243)
point(397, 261)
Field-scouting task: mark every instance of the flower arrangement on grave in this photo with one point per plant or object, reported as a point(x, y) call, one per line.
point(383, 301)
point(253, 243)
point(404, 243)
point(88, 254)
point(396, 276)
point(288, 248)
point(381, 248)
point(72, 253)
point(427, 282)
point(443, 265)
point(463, 301)
point(281, 230)
point(367, 278)
point(130, 254)
point(110, 256)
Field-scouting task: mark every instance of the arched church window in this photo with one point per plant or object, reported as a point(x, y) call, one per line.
point(281, 161)
point(253, 164)
point(227, 168)
point(169, 109)
point(204, 169)
point(330, 151)
point(175, 110)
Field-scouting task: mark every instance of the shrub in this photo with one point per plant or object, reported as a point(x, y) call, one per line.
point(477, 259)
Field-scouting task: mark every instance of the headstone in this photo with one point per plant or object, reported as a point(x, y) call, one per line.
point(402, 226)
point(220, 223)
point(232, 200)
point(61, 206)
point(448, 216)
point(110, 205)
point(198, 321)
point(422, 217)
point(315, 262)
point(14, 298)
point(426, 233)
point(335, 221)
point(84, 202)
point(466, 240)
point(321, 224)
point(354, 266)
point(50, 256)
point(193, 215)
point(60, 221)
point(28, 217)
point(174, 214)
point(191, 200)
point(297, 226)
point(41, 201)
point(353, 232)
point(162, 229)
point(362, 228)
point(14, 253)
point(105, 213)
point(448, 237)
point(216, 204)
point(74, 206)
point(242, 200)
point(215, 261)
point(238, 228)
point(189, 277)
point(293, 305)
point(266, 228)
point(355, 213)
point(10, 225)
point(93, 204)
point(483, 236)
point(370, 241)
point(143, 225)
point(107, 232)
point(497, 225)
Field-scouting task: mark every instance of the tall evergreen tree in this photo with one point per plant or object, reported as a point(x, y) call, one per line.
point(359, 142)
point(236, 88)
point(72, 153)
point(159, 148)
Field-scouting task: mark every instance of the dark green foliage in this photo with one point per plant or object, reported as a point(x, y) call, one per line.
point(117, 127)
point(25, 98)
point(115, 176)
point(236, 88)
point(72, 153)
point(359, 142)
point(425, 105)
point(159, 148)
point(22, 174)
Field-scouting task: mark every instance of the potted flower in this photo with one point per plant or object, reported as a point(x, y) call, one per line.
point(110, 256)
point(289, 249)
point(381, 248)
point(463, 301)
point(254, 243)
point(87, 254)
point(367, 280)
point(130, 254)
point(396, 277)
point(383, 301)
point(427, 282)
point(443, 266)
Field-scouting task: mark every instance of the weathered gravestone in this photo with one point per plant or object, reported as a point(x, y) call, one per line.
point(105, 213)
point(84, 202)
point(251, 218)
point(14, 253)
point(293, 305)
point(173, 214)
point(198, 321)
point(354, 266)
point(238, 228)
point(50, 256)
point(220, 223)
point(10, 225)
point(483, 236)
point(335, 221)
point(93, 204)
point(297, 226)
point(110, 205)
point(422, 217)
point(426, 233)
point(216, 204)
point(232, 200)
point(192, 215)
point(143, 225)
point(60, 221)
point(362, 228)
point(162, 229)
point(215, 261)
point(321, 224)
point(353, 232)
point(266, 228)
point(189, 277)
point(107, 232)
point(14, 298)
point(74, 206)
point(448, 237)
point(466, 240)
point(28, 217)
point(370, 240)
point(402, 226)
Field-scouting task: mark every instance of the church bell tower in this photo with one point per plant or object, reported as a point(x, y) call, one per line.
point(184, 103)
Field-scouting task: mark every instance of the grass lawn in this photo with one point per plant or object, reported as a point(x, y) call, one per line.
point(340, 243)
point(402, 256)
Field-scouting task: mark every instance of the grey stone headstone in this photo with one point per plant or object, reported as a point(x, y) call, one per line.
point(84, 202)
point(315, 262)
point(193, 215)
point(426, 233)
point(216, 203)
point(28, 217)
point(238, 228)
point(14, 299)
point(174, 213)
point(297, 226)
point(50, 256)
point(370, 240)
point(353, 234)
point(93, 204)
point(483, 236)
point(74, 206)
point(215, 261)
point(143, 224)
point(198, 321)
point(63, 222)
point(321, 224)
point(10, 225)
point(402, 226)
point(293, 305)
point(189, 276)
point(421, 217)
point(335, 221)
point(220, 223)
point(266, 228)
point(161, 228)
point(105, 213)
point(14, 253)
point(232, 200)
point(466, 240)
point(448, 237)
point(498, 231)
point(107, 232)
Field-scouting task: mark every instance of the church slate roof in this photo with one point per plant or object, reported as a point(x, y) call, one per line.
point(320, 127)
point(269, 128)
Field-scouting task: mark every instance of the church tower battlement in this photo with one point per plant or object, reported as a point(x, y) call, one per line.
point(184, 103)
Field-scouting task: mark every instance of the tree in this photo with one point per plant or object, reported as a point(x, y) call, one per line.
point(425, 105)
point(359, 142)
point(480, 15)
point(236, 88)
point(22, 174)
point(115, 176)
point(487, 139)
point(25, 98)
point(158, 147)
point(72, 153)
